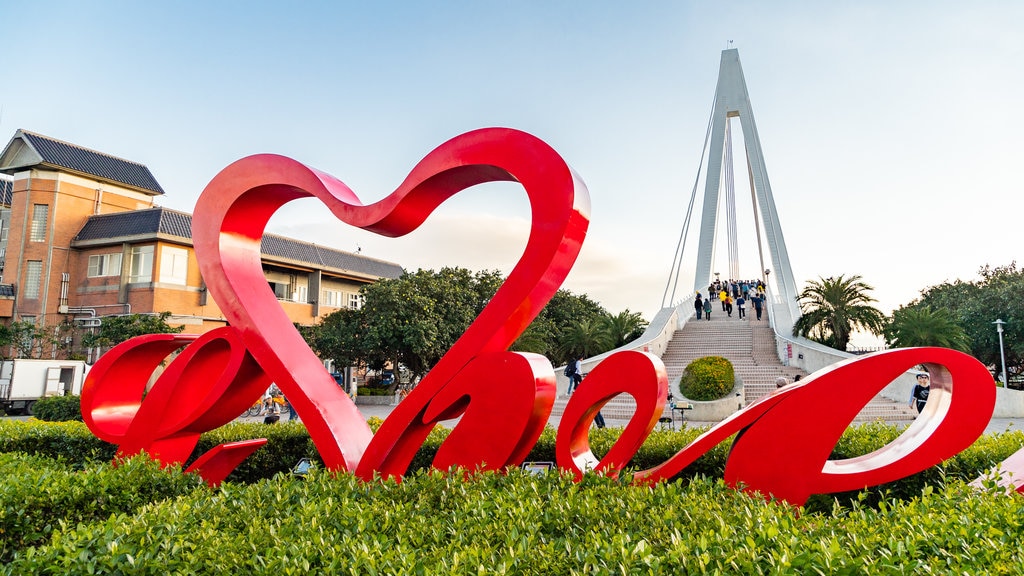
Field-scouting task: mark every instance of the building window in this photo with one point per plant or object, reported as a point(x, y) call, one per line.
point(332, 298)
point(280, 290)
point(301, 294)
point(141, 269)
point(173, 265)
point(355, 301)
point(104, 265)
point(39, 215)
point(33, 278)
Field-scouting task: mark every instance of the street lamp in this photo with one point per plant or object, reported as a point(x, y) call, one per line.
point(999, 328)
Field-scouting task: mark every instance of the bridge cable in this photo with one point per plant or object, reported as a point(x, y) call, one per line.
point(677, 258)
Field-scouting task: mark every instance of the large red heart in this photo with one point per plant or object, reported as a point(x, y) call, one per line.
point(229, 222)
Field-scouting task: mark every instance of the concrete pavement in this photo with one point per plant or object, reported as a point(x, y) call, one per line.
point(383, 411)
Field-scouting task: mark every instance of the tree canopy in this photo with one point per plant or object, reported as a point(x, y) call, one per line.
point(974, 307)
point(832, 308)
point(924, 326)
point(116, 329)
point(415, 319)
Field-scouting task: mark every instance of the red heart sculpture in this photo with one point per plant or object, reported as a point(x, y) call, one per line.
point(229, 222)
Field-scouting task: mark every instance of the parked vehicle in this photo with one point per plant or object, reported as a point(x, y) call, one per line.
point(23, 381)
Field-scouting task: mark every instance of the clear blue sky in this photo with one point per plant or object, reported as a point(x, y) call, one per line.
point(891, 131)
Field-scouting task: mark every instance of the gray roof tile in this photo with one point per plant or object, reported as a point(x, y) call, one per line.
point(62, 154)
point(152, 221)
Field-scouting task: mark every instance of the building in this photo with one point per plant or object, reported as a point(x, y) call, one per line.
point(82, 237)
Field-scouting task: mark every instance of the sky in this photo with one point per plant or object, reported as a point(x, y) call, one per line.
point(890, 130)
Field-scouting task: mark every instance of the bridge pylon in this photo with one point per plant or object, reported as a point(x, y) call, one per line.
point(733, 101)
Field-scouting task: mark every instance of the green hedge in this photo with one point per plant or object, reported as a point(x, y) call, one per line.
point(41, 496)
point(58, 408)
point(707, 378)
point(520, 524)
point(288, 442)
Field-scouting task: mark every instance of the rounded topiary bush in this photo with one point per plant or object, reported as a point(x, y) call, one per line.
point(58, 409)
point(707, 378)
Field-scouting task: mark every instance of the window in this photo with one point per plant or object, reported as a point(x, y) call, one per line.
point(301, 294)
point(280, 290)
point(332, 298)
point(105, 265)
point(355, 301)
point(141, 269)
point(39, 215)
point(33, 278)
point(173, 265)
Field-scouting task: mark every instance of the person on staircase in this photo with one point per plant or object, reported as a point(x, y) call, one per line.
point(722, 295)
point(758, 301)
point(707, 308)
point(740, 303)
point(698, 306)
point(728, 306)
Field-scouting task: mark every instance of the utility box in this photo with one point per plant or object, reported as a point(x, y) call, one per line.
point(24, 381)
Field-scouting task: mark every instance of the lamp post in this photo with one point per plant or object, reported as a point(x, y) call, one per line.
point(1002, 357)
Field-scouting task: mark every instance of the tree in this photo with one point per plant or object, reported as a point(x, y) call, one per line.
point(114, 330)
point(923, 326)
point(414, 320)
point(975, 305)
point(833, 307)
point(624, 327)
point(584, 339)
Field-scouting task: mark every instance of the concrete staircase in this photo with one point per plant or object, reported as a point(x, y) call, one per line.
point(750, 346)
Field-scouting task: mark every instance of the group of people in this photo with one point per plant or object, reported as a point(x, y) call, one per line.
point(730, 293)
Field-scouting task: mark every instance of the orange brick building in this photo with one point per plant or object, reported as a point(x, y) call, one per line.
point(82, 237)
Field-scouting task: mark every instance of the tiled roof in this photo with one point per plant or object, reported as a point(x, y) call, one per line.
point(28, 149)
point(119, 226)
point(6, 190)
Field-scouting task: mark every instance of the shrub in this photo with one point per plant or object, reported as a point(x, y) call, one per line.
point(58, 408)
point(41, 496)
point(708, 378)
point(375, 391)
point(520, 524)
point(70, 442)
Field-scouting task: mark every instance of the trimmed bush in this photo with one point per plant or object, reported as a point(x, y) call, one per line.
point(707, 378)
point(70, 442)
point(522, 524)
point(41, 496)
point(58, 409)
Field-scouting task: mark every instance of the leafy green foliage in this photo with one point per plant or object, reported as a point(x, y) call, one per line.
point(831, 308)
point(521, 524)
point(707, 378)
point(58, 408)
point(414, 320)
point(70, 442)
point(975, 305)
point(923, 326)
point(41, 496)
point(23, 339)
point(117, 329)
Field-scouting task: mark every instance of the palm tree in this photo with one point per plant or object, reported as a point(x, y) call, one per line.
point(922, 326)
point(624, 327)
point(585, 339)
point(833, 307)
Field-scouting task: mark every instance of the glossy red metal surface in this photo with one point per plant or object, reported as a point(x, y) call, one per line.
point(502, 399)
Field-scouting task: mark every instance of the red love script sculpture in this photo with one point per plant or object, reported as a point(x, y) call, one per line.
point(502, 399)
